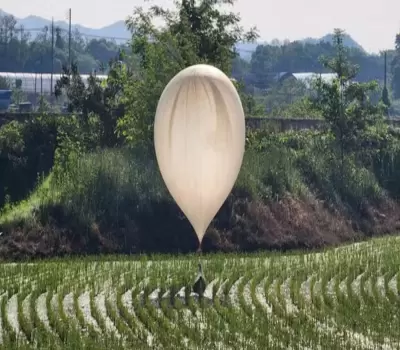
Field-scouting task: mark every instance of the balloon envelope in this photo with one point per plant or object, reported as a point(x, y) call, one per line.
point(199, 139)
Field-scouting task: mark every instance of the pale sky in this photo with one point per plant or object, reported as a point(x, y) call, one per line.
point(372, 24)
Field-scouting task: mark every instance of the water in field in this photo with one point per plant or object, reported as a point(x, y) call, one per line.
point(345, 298)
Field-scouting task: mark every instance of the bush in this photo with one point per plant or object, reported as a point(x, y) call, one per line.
point(28, 150)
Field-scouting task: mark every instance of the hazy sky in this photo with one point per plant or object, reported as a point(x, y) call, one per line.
point(372, 24)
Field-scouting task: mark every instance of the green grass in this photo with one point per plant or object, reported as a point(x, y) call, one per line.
point(111, 182)
point(23, 210)
point(107, 201)
point(343, 298)
point(108, 184)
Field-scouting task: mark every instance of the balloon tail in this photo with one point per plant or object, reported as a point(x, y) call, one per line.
point(200, 284)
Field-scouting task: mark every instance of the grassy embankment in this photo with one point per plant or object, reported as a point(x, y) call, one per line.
point(293, 192)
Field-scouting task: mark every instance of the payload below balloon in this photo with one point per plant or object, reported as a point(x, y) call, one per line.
point(199, 139)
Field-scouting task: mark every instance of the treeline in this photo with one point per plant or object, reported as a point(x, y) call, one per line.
point(21, 52)
point(305, 57)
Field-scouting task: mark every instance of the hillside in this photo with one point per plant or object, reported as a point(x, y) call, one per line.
point(114, 30)
point(347, 41)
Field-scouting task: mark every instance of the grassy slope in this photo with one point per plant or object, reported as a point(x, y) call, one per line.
point(115, 201)
point(24, 209)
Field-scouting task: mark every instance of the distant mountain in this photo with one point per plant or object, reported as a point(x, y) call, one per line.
point(120, 33)
point(115, 30)
point(246, 49)
point(347, 41)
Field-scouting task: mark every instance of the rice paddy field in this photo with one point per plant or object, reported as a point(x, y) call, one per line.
point(342, 298)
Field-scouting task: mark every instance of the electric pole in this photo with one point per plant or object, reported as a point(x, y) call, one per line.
point(69, 39)
point(52, 58)
point(385, 93)
point(385, 73)
point(20, 46)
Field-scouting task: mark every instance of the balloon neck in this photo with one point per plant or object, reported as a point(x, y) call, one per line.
point(199, 246)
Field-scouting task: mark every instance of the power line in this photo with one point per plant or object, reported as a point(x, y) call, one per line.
point(97, 36)
point(104, 37)
point(45, 28)
point(93, 36)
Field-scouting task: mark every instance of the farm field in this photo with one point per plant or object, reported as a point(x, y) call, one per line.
point(342, 298)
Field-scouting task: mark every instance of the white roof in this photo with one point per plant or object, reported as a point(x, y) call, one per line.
point(39, 82)
point(310, 76)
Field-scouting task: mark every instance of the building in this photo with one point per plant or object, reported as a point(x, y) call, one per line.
point(38, 83)
point(306, 77)
point(5, 99)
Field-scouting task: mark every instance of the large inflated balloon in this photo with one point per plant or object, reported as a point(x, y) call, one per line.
point(199, 139)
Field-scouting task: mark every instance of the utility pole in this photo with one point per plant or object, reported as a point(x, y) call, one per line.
point(21, 33)
point(52, 58)
point(385, 73)
point(69, 39)
point(385, 93)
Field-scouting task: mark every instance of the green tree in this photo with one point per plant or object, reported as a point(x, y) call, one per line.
point(385, 99)
point(4, 83)
point(345, 104)
point(194, 32)
point(18, 95)
point(60, 42)
point(396, 69)
point(44, 105)
point(102, 99)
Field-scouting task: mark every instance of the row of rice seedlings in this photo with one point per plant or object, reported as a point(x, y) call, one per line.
point(57, 320)
point(9, 335)
point(283, 330)
point(269, 332)
point(96, 314)
point(83, 334)
point(251, 330)
point(191, 318)
point(349, 313)
point(314, 313)
point(140, 313)
point(328, 275)
point(311, 321)
point(305, 326)
point(358, 298)
point(127, 336)
point(187, 315)
point(86, 327)
point(245, 307)
point(384, 322)
point(25, 324)
point(365, 296)
point(271, 290)
point(39, 333)
point(278, 304)
point(205, 325)
point(330, 334)
point(169, 332)
point(390, 293)
point(227, 314)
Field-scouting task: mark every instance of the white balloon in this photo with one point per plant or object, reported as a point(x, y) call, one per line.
point(199, 139)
